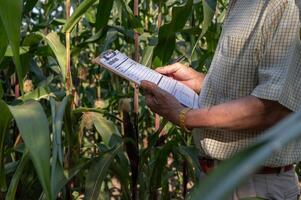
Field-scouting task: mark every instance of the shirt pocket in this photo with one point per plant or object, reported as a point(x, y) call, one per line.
point(240, 49)
point(234, 69)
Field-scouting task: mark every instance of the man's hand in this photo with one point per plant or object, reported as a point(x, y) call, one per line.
point(161, 102)
point(184, 74)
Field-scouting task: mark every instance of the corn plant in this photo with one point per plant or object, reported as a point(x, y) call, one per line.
point(71, 130)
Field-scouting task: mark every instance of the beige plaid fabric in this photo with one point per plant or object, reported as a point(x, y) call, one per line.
point(258, 54)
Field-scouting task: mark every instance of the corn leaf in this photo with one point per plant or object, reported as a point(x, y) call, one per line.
point(3, 41)
point(98, 172)
point(229, 174)
point(62, 180)
point(209, 10)
point(11, 193)
point(123, 176)
point(58, 49)
point(1, 91)
point(158, 164)
point(36, 94)
point(57, 112)
point(77, 14)
point(33, 126)
point(191, 156)
point(10, 15)
point(22, 50)
point(103, 13)
point(147, 56)
point(11, 167)
point(5, 119)
point(105, 128)
point(167, 34)
point(132, 22)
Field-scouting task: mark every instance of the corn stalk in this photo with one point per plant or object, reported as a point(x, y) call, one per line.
point(137, 55)
point(159, 22)
point(68, 67)
point(68, 92)
point(134, 165)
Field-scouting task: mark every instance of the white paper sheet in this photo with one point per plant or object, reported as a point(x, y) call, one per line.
point(133, 71)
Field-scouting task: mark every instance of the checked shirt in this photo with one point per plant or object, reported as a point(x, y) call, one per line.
point(259, 54)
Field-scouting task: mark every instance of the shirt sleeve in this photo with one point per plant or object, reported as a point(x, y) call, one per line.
point(279, 70)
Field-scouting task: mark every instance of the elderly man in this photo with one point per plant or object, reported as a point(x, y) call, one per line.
point(253, 82)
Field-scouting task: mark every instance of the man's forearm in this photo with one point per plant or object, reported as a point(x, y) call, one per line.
point(245, 113)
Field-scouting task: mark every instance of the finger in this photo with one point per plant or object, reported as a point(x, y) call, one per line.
point(149, 100)
point(169, 69)
point(148, 86)
point(147, 96)
point(153, 90)
point(158, 92)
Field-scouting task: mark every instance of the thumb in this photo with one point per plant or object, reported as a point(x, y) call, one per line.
point(168, 69)
point(148, 86)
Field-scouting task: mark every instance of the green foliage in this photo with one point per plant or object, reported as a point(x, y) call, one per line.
point(130, 20)
point(190, 155)
point(58, 49)
point(85, 139)
point(147, 56)
point(3, 42)
point(167, 33)
point(17, 176)
point(105, 128)
point(209, 7)
point(36, 94)
point(10, 17)
point(103, 13)
point(5, 119)
point(80, 10)
point(57, 111)
point(90, 149)
point(29, 5)
point(98, 172)
point(64, 180)
point(33, 125)
point(1, 91)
